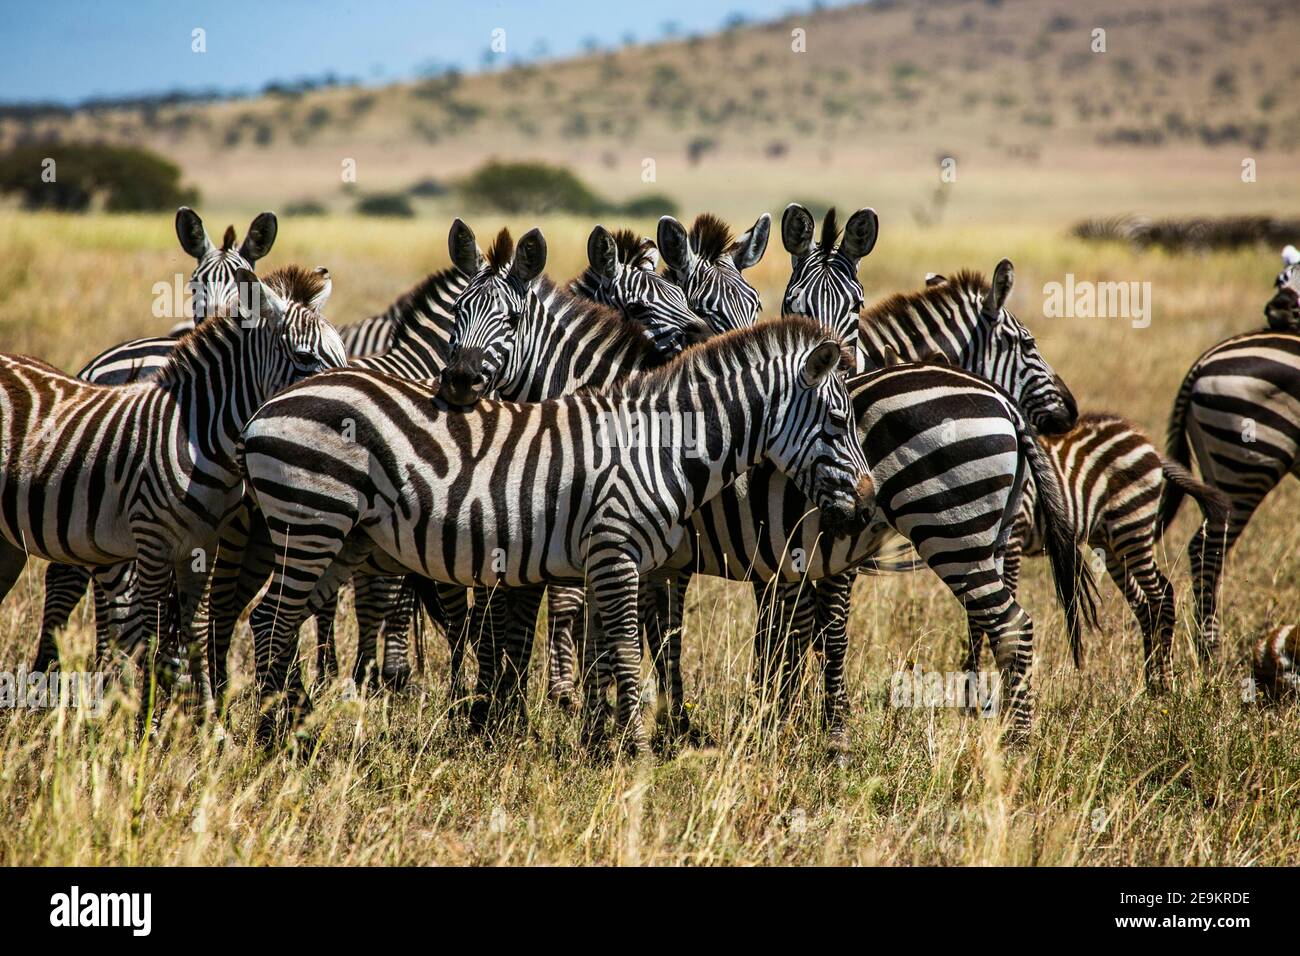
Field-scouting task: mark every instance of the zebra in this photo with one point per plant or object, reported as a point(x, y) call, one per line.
point(1275, 663)
point(1112, 476)
point(966, 321)
point(451, 493)
point(213, 290)
point(1235, 410)
point(1283, 310)
point(144, 472)
point(947, 451)
point(580, 352)
point(707, 263)
point(824, 274)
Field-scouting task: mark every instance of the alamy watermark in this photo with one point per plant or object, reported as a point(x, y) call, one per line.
point(1083, 299)
point(976, 690)
point(631, 428)
point(41, 690)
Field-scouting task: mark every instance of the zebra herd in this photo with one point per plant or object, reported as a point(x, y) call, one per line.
point(466, 453)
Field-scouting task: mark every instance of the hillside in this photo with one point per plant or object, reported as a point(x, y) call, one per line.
point(885, 87)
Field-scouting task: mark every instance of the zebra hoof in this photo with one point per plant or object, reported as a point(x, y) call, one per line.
point(396, 679)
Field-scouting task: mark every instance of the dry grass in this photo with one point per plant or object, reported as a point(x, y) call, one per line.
point(1112, 776)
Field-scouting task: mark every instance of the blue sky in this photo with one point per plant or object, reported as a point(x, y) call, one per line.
point(69, 50)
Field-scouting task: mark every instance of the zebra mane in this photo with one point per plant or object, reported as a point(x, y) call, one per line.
point(632, 250)
point(710, 237)
point(296, 284)
point(293, 283)
point(959, 285)
point(501, 252)
point(754, 344)
point(616, 330)
point(830, 232)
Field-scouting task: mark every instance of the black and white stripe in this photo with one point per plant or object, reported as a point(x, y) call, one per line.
point(453, 494)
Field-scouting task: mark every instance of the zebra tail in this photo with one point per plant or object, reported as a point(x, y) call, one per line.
point(1177, 451)
point(895, 556)
point(1215, 505)
point(1075, 586)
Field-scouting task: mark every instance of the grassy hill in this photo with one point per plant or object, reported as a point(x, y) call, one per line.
point(880, 94)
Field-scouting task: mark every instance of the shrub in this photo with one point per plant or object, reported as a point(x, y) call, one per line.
point(529, 187)
point(305, 207)
point(428, 188)
point(394, 205)
point(129, 179)
point(649, 206)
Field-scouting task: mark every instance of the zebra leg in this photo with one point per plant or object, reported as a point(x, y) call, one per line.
point(615, 581)
point(522, 607)
point(832, 599)
point(564, 608)
point(785, 619)
point(1151, 598)
point(453, 604)
point(1010, 632)
point(327, 655)
point(371, 594)
point(190, 625)
point(396, 671)
point(1208, 551)
point(245, 559)
point(489, 622)
point(65, 585)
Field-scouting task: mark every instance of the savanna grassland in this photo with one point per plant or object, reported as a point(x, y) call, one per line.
point(1112, 775)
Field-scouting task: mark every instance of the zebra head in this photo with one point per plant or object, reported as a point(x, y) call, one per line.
point(707, 265)
point(1283, 310)
point(489, 311)
point(1004, 352)
point(213, 281)
point(286, 309)
point(813, 435)
point(621, 274)
point(824, 282)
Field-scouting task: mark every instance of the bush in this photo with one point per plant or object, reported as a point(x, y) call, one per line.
point(649, 206)
point(530, 187)
point(129, 179)
point(428, 188)
point(305, 207)
point(394, 205)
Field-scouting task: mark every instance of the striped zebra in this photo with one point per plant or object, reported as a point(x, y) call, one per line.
point(1236, 411)
point(1275, 663)
point(947, 452)
point(144, 472)
point(824, 274)
point(453, 494)
point(213, 291)
point(966, 321)
point(570, 344)
point(707, 263)
point(1283, 310)
point(1112, 477)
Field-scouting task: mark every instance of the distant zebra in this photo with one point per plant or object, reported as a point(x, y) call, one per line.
point(453, 494)
point(214, 291)
point(1283, 310)
point(144, 472)
point(1236, 409)
point(1112, 478)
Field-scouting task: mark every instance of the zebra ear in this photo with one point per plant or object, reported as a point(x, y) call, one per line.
point(1290, 255)
point(530, 258)
point(674, 245)
point(602, 254)
point(934, 278)
point(256, 301)
point(860, 235)
point(821, 362)
point(1003, 278)
point(189, 230)
point(465, 253)
point(260, 237)
point(327, 286)
point(797, 230)
point(749, 248)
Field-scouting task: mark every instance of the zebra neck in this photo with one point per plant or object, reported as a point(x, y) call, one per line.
point(917, 338)
point(565, 343)
point(217, 382)
point(423, 314)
